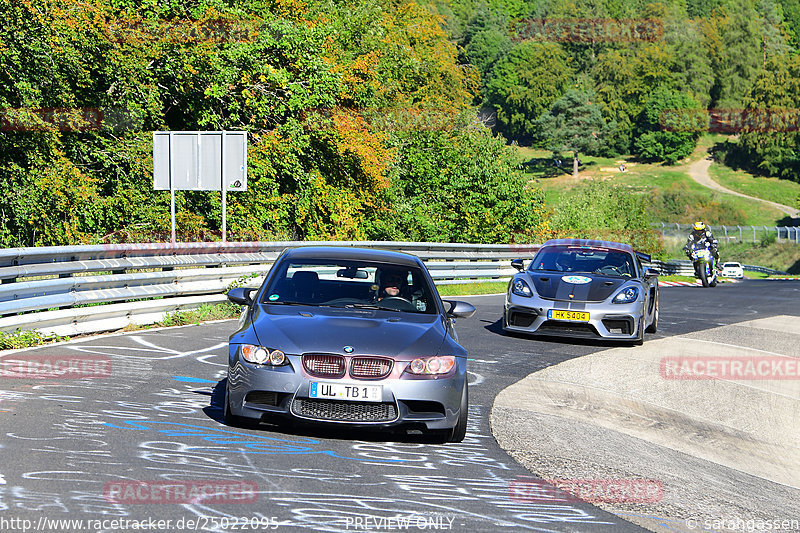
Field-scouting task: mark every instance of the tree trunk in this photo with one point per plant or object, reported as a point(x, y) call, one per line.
point(575, 165)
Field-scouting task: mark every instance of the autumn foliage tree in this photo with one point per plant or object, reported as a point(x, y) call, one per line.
point(328, 93)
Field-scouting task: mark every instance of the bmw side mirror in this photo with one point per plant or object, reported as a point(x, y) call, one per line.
point(240, 295)
point(651, 273)
point(517, 263)
point(459, 309)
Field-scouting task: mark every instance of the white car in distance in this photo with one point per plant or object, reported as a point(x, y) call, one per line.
point(732, 270)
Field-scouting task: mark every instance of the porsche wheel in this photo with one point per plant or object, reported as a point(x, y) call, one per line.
point(653, 327)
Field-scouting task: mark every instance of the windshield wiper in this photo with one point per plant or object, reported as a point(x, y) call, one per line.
point(371, 306)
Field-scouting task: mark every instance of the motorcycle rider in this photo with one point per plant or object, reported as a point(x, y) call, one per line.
point(701, 234)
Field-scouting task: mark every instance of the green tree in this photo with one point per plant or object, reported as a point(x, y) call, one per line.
point(791, 16)
point(525, 83)
point(741, 36)
point(623, 81)
point(574, 124)
point(657, 140)
point(773, 141)
point(459, 185)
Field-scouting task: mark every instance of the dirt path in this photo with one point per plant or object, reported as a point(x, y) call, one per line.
point(699, 173)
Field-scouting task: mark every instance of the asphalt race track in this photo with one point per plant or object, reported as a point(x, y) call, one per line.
point(75, 449)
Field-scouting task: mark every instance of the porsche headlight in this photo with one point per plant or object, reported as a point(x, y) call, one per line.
point(261, 355)
point(626, 296)
point(521, 288)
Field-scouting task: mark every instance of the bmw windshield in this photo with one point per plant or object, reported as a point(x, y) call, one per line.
point(351, 284)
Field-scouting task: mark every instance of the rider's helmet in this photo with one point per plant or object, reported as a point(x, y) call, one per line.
point(698, 231)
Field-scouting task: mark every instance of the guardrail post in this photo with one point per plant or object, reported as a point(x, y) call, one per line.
point(754, 234)
point(778, 234)
point(725, 230)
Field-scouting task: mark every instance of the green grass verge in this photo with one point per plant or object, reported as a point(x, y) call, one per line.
point(204, 313)
point(773, 189)
point(25, 339)
point(466, 289)
point(677, 278)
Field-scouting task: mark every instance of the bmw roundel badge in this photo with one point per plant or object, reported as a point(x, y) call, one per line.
point(349, 349)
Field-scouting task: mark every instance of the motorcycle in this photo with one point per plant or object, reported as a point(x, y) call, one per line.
point(705, 268)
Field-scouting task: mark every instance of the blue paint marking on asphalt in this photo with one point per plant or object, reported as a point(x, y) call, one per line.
point(255, 444)
point(192, 380)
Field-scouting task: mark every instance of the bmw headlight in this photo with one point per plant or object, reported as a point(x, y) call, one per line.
point(261, 355)
point(441, 364)
point(626, 296)
point(521, 288)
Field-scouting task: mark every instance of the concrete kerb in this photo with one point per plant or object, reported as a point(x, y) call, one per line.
point(633, 419)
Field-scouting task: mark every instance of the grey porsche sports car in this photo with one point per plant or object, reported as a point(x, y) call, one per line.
point(583, 288)
point(352, 337)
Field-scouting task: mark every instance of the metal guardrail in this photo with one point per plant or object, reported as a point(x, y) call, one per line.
point(685, 268)
point(70, 290)
point(735, 233)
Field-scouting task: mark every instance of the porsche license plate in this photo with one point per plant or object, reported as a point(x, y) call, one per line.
point(575, 316)
point(341, 391)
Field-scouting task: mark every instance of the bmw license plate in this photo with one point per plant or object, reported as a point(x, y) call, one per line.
point(341, 391)
point(575, 316)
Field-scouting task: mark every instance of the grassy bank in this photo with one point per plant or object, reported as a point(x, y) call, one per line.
point(773, 189)
point(675, 196)
point(464, 289)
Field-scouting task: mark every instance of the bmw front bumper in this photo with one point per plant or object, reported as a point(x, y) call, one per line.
point(256, 391)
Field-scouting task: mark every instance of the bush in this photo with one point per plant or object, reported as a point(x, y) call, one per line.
point(678, 203)
point(601, 211)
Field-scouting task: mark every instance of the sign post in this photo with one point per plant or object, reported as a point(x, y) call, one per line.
point(200, 161)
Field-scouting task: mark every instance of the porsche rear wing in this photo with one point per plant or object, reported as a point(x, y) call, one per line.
point(643, 256)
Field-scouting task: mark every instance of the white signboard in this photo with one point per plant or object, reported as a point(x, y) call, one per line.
point(200, 160)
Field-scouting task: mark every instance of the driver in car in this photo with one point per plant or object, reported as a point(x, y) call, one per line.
point(618, 263)
point(394, 283)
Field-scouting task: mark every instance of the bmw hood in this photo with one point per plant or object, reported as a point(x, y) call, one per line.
point(398, 335)
point(582, 287)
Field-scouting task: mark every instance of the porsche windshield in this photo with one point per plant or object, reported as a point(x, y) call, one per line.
point(603, 261)
point(351, 284)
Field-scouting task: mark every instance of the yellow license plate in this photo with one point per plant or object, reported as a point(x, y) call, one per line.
point(578, 316)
